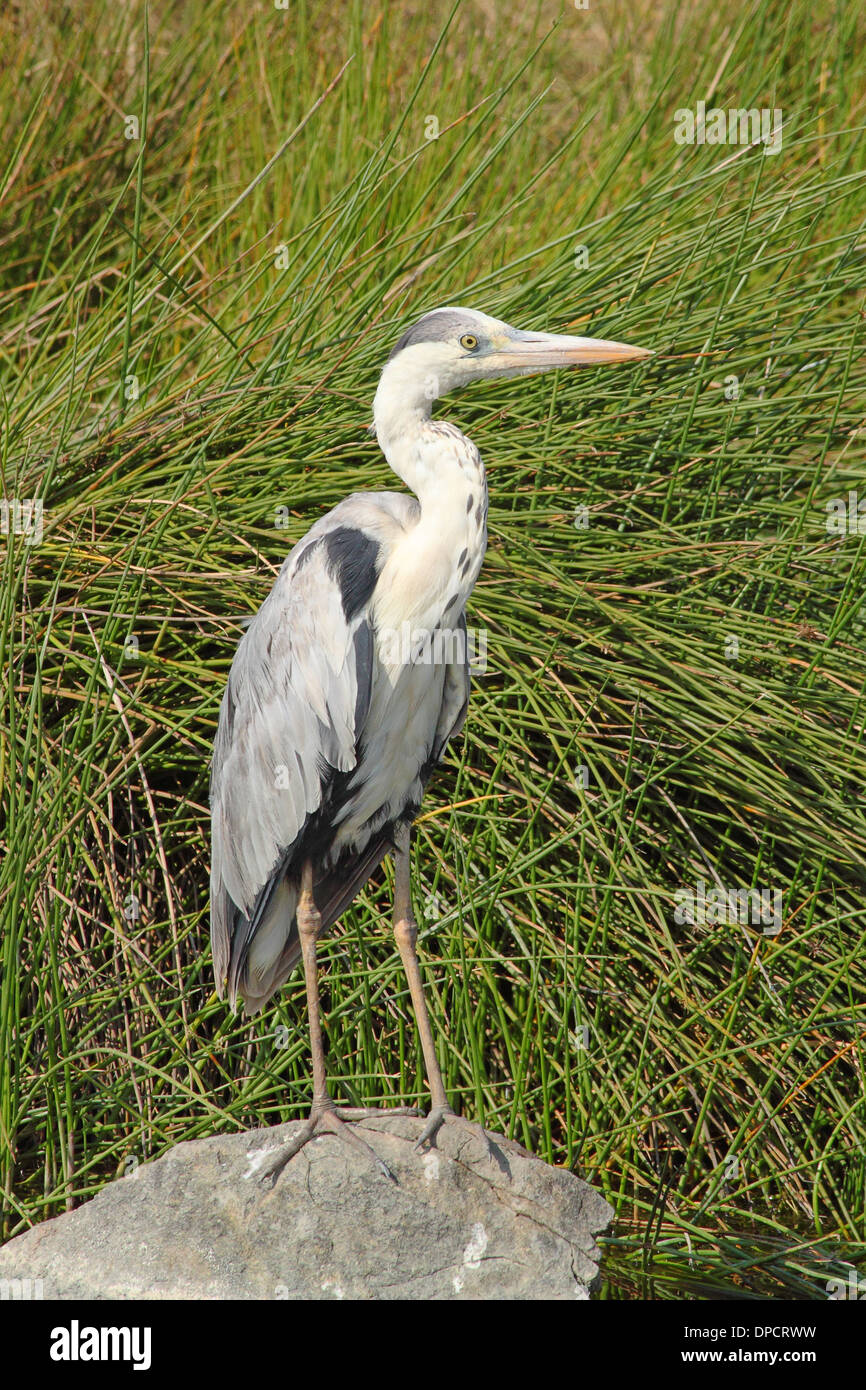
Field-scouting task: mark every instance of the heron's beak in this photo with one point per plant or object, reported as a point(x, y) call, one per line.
point(522, 353)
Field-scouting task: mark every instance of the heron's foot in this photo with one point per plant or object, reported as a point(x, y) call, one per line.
point(326, 1118)
point(443, 1115)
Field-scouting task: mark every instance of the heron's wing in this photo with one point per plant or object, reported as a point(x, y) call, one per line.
point(335, 885)
point(292, 713)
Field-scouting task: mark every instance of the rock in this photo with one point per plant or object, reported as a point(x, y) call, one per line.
point(199, 1223)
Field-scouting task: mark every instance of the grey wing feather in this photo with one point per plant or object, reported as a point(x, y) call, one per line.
point(298, 688)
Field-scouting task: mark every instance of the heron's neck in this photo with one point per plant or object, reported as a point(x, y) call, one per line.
point(439, 463)
point(436, 564)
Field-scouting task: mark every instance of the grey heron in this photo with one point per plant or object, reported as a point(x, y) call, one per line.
point(329, 729)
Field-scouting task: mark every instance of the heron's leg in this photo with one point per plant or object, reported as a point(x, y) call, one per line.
point(309, 926)
point(406, 935)
point(324, 1116)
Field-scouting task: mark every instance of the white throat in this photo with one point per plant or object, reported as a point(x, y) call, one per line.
point(439, 562)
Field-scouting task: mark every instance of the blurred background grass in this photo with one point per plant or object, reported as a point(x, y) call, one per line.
point(190, 332)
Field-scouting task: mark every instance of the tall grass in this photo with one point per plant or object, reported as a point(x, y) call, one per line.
point(189, 340)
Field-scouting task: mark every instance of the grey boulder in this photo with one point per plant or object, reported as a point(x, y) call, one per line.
point(200, 1223)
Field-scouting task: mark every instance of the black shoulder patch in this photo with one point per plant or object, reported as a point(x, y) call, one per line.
point(352, 557)
point(363, 675)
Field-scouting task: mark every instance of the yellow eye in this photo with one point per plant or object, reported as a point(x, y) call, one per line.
point(469, 341)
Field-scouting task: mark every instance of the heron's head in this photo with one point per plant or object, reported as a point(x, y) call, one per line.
point(452, 347)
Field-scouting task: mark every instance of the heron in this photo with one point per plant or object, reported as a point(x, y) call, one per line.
point(330, 726)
